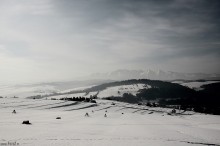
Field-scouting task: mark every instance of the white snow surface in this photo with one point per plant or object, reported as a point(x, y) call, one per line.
point(23, 91)
point(120, 90)
point(26, 91)
point(108, 92)
point(76, 89)
point(196, 85)
point(136, 126)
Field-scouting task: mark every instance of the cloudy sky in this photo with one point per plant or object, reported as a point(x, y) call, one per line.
point(51, 40)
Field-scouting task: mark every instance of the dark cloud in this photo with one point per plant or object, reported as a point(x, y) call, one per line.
point(104, 35)
point(185, 28)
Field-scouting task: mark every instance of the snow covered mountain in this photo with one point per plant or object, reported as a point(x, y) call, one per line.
point(151, 74)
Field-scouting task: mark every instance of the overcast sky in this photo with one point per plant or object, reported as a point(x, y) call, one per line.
point(51, 40)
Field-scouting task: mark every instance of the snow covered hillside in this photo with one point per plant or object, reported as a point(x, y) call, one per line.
point(24, 91)
point(195, 84)
point(118, 91)
point(125, 124)
point(28, 89)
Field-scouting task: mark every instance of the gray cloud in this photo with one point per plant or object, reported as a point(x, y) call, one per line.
point(72, 38)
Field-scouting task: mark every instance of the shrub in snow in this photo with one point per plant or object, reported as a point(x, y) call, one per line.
point(86, 115)
point(14, 112)
point(149, 104)
point(87, 100)
point(93, 101)
point(26, 122)
point(173, 111)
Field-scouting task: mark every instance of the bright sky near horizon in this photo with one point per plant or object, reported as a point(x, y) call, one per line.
point(51, 40)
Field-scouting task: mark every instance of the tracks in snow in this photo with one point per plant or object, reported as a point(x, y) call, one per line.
point(76, 105)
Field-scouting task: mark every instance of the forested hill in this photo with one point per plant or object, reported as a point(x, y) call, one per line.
point(167, 93)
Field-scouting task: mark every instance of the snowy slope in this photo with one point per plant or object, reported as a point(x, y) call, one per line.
point(120, 90)
point(76, 89)
point(195, 85)
point(135, 127)
point(26, 90)
point(117, 91)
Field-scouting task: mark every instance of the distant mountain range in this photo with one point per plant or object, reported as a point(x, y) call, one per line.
point(153, 75)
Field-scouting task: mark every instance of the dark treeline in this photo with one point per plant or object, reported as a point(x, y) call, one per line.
point(152, 83)
point(205, 101)
point(91, 99)
point(208, 100)
point(125, 98)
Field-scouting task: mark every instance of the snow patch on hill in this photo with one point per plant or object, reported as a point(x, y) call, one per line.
point(116, 91)
point(26, 90)
point(120, 90)
point(76, 89)
point(195, 85)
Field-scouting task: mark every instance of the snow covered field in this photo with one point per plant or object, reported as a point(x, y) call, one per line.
point(26, 90)
point(138, 125)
